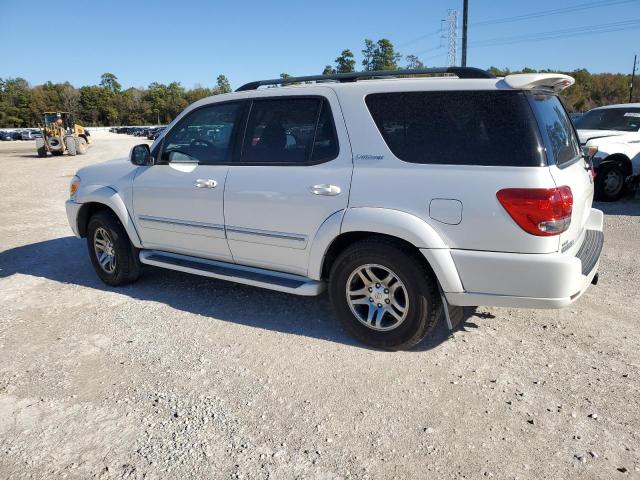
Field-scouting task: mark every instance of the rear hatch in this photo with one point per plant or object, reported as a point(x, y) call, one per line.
point(566, 164)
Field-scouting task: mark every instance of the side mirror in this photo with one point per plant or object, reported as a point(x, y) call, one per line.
point(141, 155)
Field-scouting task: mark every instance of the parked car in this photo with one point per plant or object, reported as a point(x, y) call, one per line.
point(575, 116)
point(16, 135)
point(28, 135)
point(613, 135)
point(6, 136)
point(154, 132)
point(406, 198)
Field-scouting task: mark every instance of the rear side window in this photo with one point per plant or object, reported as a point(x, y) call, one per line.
point(492, 128)
point(557, 131)
point(289, 131)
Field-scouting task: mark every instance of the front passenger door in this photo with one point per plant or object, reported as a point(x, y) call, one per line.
point(178, 202)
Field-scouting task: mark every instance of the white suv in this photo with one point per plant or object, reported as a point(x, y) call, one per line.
point(613, 135)
point(400, 194)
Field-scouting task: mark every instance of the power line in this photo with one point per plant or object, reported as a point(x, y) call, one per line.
point(550, 35)
point(562, 33)
point(555, 11)
point(421, 37)
point(515, 18)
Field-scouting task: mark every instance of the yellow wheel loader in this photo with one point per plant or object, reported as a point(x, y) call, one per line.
point(60, 133)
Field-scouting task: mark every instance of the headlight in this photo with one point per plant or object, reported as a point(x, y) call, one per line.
point(590, 151)
point(74, 186)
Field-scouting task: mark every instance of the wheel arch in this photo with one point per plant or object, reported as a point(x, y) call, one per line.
point(105, 198)
point(405, 229)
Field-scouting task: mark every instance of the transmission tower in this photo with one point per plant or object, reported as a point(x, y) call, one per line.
point(452, 37)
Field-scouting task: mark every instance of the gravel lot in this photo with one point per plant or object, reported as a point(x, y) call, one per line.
point(179, 376)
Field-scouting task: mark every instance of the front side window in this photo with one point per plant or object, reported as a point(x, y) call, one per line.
point(491, 128)
point(203, 136)
point(619, 118)
point(289, 131)
point(556, 128)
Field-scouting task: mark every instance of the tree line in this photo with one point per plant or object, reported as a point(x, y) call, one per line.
point(105, 104)
point(108, 103)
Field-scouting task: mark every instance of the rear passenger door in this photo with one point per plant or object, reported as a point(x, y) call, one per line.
point(293, 172)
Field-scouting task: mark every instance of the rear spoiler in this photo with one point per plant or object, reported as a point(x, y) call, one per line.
point(529, 81)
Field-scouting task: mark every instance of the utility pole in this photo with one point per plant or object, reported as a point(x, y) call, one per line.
point(465, 18)
point(633, 76)
point(452, 54)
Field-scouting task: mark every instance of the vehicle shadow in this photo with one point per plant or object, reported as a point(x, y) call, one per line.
point(65, 260)
point(629, 206)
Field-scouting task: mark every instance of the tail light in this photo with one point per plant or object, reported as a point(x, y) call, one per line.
point(539, 211)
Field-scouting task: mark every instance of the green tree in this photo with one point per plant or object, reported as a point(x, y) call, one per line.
point(222, 84)
point(368, 55)
point(110, 82)
point(15, 98)
point(328, 70)
point(413, 62)
point(346, 62)
point(385, 57)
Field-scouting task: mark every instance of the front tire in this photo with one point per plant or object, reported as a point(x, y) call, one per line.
point(383, 295)
point(40, 147)
point(610, 183)
point(72, 145)
point(82, 146)
point(114, 258)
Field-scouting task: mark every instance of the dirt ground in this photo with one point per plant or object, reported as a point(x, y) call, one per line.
point(179, 376)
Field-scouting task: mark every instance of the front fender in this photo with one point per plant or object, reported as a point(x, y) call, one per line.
point(110, 198)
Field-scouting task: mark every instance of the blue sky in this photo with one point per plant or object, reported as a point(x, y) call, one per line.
point(193, 41)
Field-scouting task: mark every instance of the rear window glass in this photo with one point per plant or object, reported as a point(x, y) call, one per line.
point(492, 128)
point(556, 129)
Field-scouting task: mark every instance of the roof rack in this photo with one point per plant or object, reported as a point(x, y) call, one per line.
point(460, 72)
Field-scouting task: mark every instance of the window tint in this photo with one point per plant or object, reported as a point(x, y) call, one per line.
point(203, 136)
point(624, 119)
point(556, 128)
point(289, 130)
point(458, 128)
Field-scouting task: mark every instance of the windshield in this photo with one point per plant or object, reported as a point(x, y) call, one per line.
point(50, 118)
point(624, 119)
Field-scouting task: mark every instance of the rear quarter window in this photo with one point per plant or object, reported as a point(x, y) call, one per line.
point(559, 137)
point(490, 128)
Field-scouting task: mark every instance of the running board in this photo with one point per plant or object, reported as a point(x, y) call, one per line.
point(257, 277)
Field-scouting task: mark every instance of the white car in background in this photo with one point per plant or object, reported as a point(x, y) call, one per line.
point(615, 131)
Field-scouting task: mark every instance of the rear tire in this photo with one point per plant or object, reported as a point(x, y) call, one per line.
point(82, 146)
point(413, 294)
point(610, 183)
point(114, 258)
point(40, 148)
point(72, 145)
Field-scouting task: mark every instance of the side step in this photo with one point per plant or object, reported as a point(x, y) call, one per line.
point(257, 277)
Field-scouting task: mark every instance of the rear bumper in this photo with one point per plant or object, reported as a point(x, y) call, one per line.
point(552, 280)
point(72, 215)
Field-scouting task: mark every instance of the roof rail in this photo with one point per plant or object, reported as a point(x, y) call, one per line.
point(460, 72)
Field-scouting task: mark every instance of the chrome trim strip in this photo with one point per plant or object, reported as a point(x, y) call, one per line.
point(268, 233)
point(183, 223)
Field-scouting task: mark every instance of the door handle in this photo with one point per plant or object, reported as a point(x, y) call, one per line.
point(205, 183)
point(325, 189)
